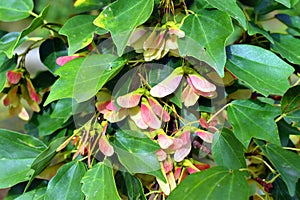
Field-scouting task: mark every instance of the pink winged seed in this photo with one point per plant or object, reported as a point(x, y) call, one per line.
point(129, 100)
point(104, 146)
point(185, 149)
point(167, 86)
point(13, 77)
point(158, 109)
point(136, 115)
point(205, 136)
point(164, 141)
point(148, 115)
point(200, 83)
point(188, 97)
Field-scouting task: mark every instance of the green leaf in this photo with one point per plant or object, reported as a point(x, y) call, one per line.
point(137, 153)
point(50, 50)
point(79, 31)
point(254, 29)
point(280, 191)
point(285, 130)
point(36, 194)
point(290, 105)
point(66, 183)
point(64, 86)
point(10, 41)
point(287, 46)
point(227, 150)
point(7, 65)
point(94, 73)
point(288, 3)
point(205, 37)
point(122, 17)
point(45, 157)
point(213, 183)
point(231, 8)
point(63, 109)
point(15, 10)
point(251, 119)
point(99, 182)
point(17, 152)
point(259, 68)
point(286, 163)
point(82, 78)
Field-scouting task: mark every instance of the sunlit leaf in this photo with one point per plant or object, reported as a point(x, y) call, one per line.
point(205, 37)
point(117, 16)
point(99, 183)
point(213, 183)
point(259, 68)
point(80, 32)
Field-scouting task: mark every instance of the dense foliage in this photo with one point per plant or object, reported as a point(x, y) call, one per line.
point(149, 99)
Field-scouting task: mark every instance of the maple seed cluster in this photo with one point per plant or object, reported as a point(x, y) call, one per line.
point(20, 86)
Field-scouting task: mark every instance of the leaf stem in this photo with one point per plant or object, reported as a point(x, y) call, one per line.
point(33, 14)
point(217, 113)
point(267, 164)
point(280, 117)
point(291, 148)
point(273, 179)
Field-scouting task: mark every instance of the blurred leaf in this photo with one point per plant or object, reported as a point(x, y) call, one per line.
point(251, 119)
point(99, 183)
point(80, 32)
point(15, 10)
point(10, 41)
point(17, 152)
point(122, 17)
point(36, 194)
point(254, 29)
point(290, 21)
point(201, 37)
point(213, 183)
point(9, 64)
point(285, 130)
point(137, 153)
point(50, 50)
point(287, 46)
point(87, 5)
point(259, 68)
point(66, 184)
point(265, 6)
point(231, 8)
point(227, 150)
point(288, 3)
point(286, 163)
point(290, 105)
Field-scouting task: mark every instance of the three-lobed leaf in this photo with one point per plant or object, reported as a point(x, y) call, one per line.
point(66, 183)
point(122, 17)
point(261, 69)
point(205, 37)
point(17, 153)
point(227, 150)
point(251, 119)
point(213, 183)
point(98, 183)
